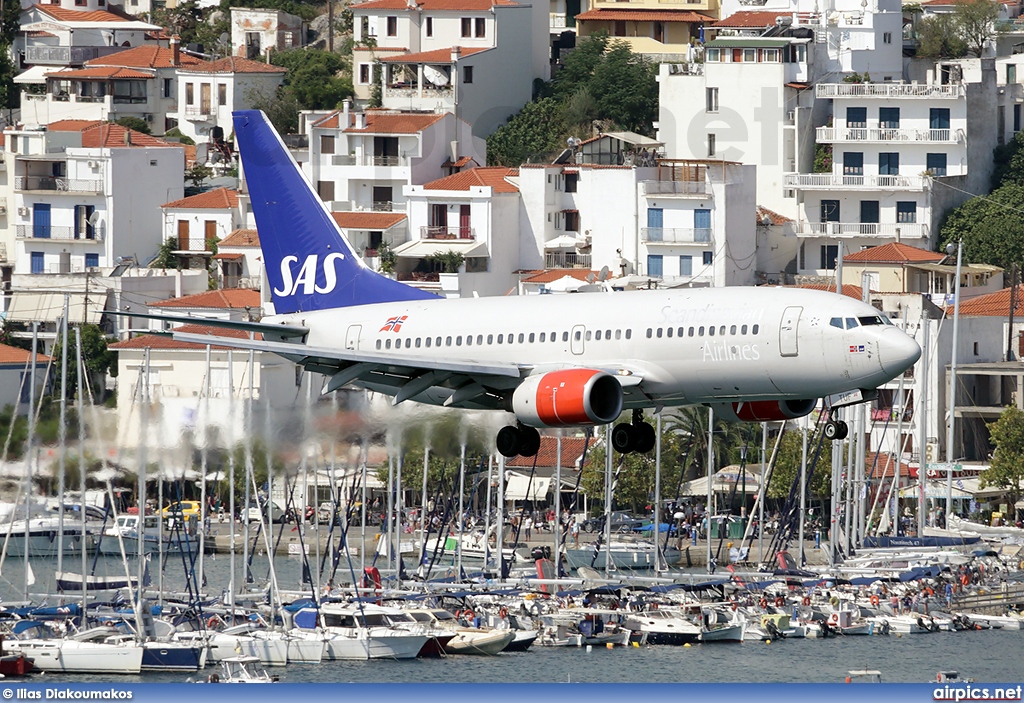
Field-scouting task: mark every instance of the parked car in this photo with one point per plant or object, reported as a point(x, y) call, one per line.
point(621, 522)
point(183, 509)
point(275, 513)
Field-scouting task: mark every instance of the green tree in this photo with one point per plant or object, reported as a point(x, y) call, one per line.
point(165, 258)
point(97, 358)
point(10, 23)
point(1006, 470)
point(182, 138)
point(939, 38)
point(446, 261)
point(976, 22)
point(787, 466)
point(626, 88)
point(990, 226)
point(306, 9)
point(535, 133)
point(1009, 162)
point(197, 174)
point(136, 123)
point(579, 67)
point(280, 106)
point(313, 77)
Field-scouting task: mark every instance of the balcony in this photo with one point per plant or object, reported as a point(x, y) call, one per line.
point(829, 181)
point(443, 232)
point(888, 90)
point(53, 232)
point(368, 160)
point(827, 135)
point(566, 260)
point(386, 206)
point(63, 55)
point(198, 113)
point(675, 235)
point(680, 188)
point(51, 184)
point(430, 93)
point(906, 230)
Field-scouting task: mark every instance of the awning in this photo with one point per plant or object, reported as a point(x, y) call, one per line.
point(932, 489)
point(517, 485)
point(565, 241)
point(422, 248)
point(35, 74)
point(48, 307)
point(229, 256)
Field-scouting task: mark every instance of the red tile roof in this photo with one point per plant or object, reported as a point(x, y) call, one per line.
point(101, 72)
point(442, 5)
point(367, 220)
point(752, 19)
point(643, 16)
point(62, 14)
point(883, 466)
point(397, 122)
point(849, 290)
point(219, 199)
point(556, 274)
point(165, 341)
point(228, 298)
point(111, 136)
point(71, 125)
point(774, 217)
point(492, 176)
point(240, 238)
point(895, 253)
point(443, 56)
point(572, 452)
point(992, 304)
point(146, 56)
point(236, 64)
point(17, 355)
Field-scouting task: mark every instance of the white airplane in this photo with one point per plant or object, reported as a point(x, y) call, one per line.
point(753, 354)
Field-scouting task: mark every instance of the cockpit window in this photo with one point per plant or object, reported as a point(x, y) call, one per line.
point(871, 320)
point(836, 322)
point(851, 322)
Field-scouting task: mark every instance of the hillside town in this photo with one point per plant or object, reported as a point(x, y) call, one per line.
point(518, 148)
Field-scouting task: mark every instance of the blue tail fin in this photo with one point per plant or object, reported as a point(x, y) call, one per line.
point(309, 264)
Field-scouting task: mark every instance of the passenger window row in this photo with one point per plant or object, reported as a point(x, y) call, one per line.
point(512, 338)
point(710, 330)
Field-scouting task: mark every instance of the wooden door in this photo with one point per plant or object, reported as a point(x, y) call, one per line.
point(182, 235)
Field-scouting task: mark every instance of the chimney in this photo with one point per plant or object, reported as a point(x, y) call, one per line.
point(346, 105)
point(456, 52)
point(176, 50)
point(360, 120)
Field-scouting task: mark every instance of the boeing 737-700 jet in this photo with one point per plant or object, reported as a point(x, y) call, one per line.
point(754, 354)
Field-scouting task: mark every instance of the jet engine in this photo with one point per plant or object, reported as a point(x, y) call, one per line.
point(568, 397)
point(764, 410)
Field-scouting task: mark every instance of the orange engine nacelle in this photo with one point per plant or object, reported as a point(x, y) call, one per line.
point(567, 398)
point(764, 410)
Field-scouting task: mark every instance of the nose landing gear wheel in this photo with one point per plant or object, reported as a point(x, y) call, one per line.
point(836, 430)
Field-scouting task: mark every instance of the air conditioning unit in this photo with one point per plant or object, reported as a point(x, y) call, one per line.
point(94, 164)
point(149, 118)
point(23, 212)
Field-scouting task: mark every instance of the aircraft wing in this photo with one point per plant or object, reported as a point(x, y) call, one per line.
point(274, 330)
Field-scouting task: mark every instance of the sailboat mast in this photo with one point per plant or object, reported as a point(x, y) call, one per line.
point(141, 490)
point(63, 440)
point(204, 516)
point(30, 445)
point(80, 361)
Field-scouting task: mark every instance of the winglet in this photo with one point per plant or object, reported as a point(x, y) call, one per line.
point(309, 264)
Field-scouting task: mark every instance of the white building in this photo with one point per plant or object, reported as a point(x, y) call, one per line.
point(362, 161)
point(240, 260)
point(86, 195)
point(70, 33)
point(208, 92)
point(256, 32)
point(199, 221)
point(367, 231)
point(139, 82)
point(476, 58)
point(678, 223)
point(475, 213)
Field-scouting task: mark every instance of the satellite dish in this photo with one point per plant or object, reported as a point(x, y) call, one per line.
point(603, 276)
point(435, 76)
point(590, 278)
point(94, 217)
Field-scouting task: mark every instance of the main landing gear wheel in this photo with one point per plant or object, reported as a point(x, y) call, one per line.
point(637, 436)
point(516, 441)
point(622, 438)
point(836, 430)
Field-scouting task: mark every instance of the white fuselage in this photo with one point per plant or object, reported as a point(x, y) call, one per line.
point(687, 346)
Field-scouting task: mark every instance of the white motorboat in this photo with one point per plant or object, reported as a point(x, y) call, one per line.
point(357, 632)
point(238, 640)
point(663, 627)
point(240, 669)
point(78, 657)
point(300, 650)
point(475, 640)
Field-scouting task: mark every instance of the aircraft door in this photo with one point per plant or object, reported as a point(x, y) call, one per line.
point(576, 338)
point(352, 336)
point(788, 330)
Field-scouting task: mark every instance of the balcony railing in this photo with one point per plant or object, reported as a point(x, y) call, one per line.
point(59, 185)
point(54, 232)
point(366, 160)
point(861, 134)
point(442, 232)
point(888, 90)
point(66, 55)
point(198, 112)
point(675, 235)
point(820, 181)
point(566, 260)
point(414, 92)
point(675, 187)
point(911, 230)
point(386, 206)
